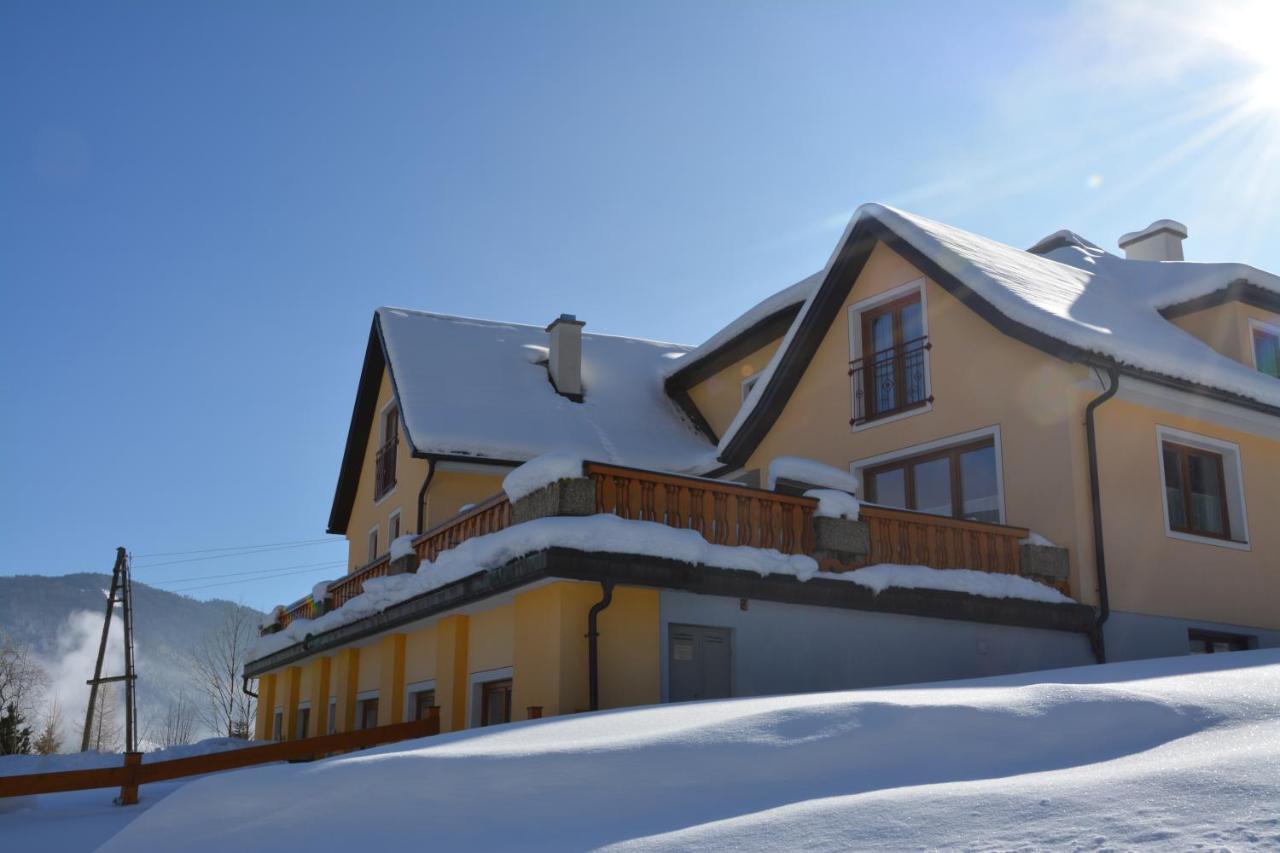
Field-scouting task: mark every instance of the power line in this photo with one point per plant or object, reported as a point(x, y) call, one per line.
point(249, 553)
point(326, 564)
point(297, 542)
point(227, 583)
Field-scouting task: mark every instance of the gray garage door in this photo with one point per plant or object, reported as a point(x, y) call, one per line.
point(698, 663)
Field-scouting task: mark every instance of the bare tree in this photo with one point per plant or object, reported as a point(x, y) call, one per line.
point(219, 664)
point(179, 725)
point(21, 677)
point(104, 731)
point(50, 741)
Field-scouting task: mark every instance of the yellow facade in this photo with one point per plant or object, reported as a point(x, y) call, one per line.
point(539, 635)
point(719, 397)
point(982, 381)
point(449, 490)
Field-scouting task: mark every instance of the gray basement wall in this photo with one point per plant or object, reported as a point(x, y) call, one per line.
point(788, 648)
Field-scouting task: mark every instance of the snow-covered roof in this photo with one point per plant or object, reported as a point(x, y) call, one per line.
point(1075, 293)
point(479, 388)
point(786, 298)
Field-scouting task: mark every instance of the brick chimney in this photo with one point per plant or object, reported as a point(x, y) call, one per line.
point(1159, 241)
point(564, 361)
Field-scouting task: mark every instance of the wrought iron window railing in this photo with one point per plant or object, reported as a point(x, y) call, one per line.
point(384, 476)
point(891, 381)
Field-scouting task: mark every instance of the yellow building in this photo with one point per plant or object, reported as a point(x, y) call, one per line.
point(1057, 417)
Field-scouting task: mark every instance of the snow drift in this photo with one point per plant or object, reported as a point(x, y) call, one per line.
point(1169, 753)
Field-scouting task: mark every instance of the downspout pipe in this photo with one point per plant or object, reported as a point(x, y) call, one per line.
point(593, 643)
point(1095, 496)
point(245, 687)
point(422, 494)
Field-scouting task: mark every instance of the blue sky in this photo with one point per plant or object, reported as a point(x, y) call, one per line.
point(201, 204)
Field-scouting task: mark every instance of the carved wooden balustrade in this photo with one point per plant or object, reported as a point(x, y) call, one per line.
point(724, 513)
point(730, 514)
point(919, 539)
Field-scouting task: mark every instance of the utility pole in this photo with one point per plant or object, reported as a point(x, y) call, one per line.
point(121, 593)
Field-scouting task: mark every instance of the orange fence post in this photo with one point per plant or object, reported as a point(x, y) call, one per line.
point(129, 788)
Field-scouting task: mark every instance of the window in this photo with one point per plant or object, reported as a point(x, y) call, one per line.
point(961, 481)
point(1212, 642)
point(393, 527)
point(889, 376)
point(304, 721)
point(1202, 481)
point(367, 713)
point(495, 702)
point(1195, 491)
point(331, 725)
point(373, 544)
point(422, 702)
point(1266, 348)
point(277, 723)
point(385, 460)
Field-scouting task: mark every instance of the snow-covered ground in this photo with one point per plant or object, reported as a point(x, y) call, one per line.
point(1178, 753)
point(82, 820)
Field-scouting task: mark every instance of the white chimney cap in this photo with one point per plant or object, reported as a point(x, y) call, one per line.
point(1159, 241)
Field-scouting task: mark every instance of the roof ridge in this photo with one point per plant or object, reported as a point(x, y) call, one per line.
point(439, 315)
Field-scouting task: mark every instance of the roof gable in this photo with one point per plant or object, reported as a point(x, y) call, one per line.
point(479, 390)
point(1074, 301)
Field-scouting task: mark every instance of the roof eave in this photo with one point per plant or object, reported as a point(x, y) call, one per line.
point(849, 262)
point(362, 411)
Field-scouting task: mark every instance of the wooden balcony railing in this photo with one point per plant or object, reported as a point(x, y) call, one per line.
point(343, 590)
point(384, 471)
point(919, 539)
point(725, 513)
point(489, 516)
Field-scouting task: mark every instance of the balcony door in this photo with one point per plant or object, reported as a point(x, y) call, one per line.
point(890, 376)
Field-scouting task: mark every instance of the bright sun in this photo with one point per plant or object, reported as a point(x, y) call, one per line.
point(1251, 34)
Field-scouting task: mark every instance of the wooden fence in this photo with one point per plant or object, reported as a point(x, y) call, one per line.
point(134, 773)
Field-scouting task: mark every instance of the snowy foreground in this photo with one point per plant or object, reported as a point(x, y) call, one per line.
point(1179, 753)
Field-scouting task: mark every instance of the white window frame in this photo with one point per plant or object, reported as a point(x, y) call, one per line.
point(1262, 326)
point(372, 535)
point(475, 683)
point(856, 310)
point(297, 712)
point(993, 432)
point(749, 383)
point(1232, 472)
point(411, 690)
point(331, 724)
point(397, 519)
point(361, 697)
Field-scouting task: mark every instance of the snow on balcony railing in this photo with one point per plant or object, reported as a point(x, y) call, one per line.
point(724, 513)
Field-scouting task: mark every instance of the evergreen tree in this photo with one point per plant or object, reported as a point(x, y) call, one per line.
point(15, 739)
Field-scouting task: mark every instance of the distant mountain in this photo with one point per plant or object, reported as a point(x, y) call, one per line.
point(60, 618)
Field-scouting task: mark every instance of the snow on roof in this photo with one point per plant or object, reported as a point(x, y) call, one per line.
point(793, 295)
point(1154, 228)
point(469, 387)
point(1076, 293)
